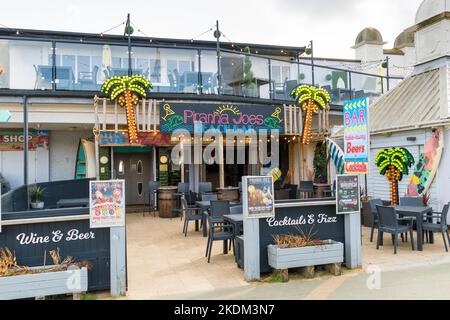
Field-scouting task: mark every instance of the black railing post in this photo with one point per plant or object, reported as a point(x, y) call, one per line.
point(271, 89)
point(25, 143)
point(387, 73)
point(350, 85)
point(219, 71)
point(200, 78)
point(128, 32)
point(312, 63)
point(53, 65)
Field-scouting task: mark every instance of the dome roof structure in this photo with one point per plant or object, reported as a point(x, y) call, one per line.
point(369, 36)
point(404, 39)
point(430, 8)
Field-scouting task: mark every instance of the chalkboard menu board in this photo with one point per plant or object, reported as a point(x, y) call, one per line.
point(347, 195)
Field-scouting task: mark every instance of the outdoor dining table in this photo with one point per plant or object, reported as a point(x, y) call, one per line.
point(418, 213)
point(237, 220)
point(72, 203)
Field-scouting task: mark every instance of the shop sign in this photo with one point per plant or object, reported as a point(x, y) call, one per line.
point(199, 118)
point(347, 194)
point(112, 139)
point(12, 140)
point(259, 199)
point(107, 203)
point(356, 137)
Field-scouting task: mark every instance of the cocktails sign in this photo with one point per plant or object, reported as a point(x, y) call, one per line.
point(258, 200)
point(203, 117)
point(356, 137)
point(107, 203)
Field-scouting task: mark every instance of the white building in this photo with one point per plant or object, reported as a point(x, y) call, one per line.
point(407, 115)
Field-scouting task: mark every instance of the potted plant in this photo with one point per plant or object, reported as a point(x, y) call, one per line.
point(249, 77)
point(295, 251)
point(63, 277)
point(37, 195)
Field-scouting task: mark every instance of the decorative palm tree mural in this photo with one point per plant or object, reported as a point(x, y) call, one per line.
point(127, 90)
point(311, 100)
point(394, 163)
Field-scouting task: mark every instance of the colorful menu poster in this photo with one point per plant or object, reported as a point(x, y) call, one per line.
point(347, 195)
point(107, 203)
point(259, 197)
point(356, 137)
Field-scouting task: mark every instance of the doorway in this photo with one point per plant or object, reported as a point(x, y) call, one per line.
point(135, 169)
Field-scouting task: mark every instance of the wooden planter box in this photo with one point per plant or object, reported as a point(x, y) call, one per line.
point(42, 284)
point(281, 259)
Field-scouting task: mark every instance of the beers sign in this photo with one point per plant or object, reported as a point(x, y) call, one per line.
point(356, 137)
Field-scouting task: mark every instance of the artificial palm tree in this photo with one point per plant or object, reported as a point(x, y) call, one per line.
point(311, 100)
point(394, 163)
point(127, 90)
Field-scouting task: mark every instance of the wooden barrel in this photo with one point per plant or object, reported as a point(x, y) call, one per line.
point(230, 194)
point(167, 201)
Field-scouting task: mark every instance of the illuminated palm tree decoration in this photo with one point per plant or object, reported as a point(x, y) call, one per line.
point(127, 90)
point(394, 163)
point(311, 100)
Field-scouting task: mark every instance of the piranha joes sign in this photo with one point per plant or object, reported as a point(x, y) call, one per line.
point(356, 137)
point(220, 117)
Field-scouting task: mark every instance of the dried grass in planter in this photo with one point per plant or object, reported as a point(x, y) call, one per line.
point(298, 241)
point(9, 266)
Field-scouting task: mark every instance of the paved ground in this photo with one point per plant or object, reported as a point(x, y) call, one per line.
point(163, 264)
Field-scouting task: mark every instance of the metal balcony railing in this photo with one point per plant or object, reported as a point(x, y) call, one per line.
point(32, 64)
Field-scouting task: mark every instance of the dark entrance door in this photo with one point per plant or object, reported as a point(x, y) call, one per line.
point(135, 169)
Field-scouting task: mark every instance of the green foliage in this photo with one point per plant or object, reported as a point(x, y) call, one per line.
point(320, 162)
point(302, 94)
point(37, 194)
point(116, 86)
point(248, 72)
point(400, 158)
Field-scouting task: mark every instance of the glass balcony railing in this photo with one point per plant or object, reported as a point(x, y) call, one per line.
point(80, 66)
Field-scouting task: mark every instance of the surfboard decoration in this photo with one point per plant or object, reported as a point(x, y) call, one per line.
point(337, 155)
point(427, 166)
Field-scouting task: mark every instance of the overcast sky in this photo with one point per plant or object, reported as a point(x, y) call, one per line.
point(332, 24)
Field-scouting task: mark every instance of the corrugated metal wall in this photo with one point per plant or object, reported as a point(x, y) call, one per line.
point(378, 186)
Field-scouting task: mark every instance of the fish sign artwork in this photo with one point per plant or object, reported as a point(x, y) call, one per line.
point(356, 137)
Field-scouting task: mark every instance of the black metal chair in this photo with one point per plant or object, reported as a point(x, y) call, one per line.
point(205, 187)
point(411, 201)
point(190, 214)
point(236, 210)
point(440, 225)
point(306, 189)
point(153, 187)
point(219, 230)
point(389, 223)
point(374, 221)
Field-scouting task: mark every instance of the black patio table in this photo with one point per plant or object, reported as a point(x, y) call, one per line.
point(72, 203)
point(237, 220)
point(418, 213)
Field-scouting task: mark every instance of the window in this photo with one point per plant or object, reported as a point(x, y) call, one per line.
point(121, 168)
point(140, 188)
point(83, 63)
point(155, 70)
point(281, 73)
point(140, 169)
